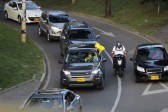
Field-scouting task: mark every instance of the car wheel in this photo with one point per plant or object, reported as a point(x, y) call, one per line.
point(101, 86)
point(6, 15)
point(40, 32)
point(19, 20)
point(48, 37)
point(137, 80)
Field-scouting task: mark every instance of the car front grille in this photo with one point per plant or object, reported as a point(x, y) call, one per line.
point(154, 70)
point(80, 73)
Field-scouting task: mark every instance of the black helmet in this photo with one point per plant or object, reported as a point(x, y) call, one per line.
point(118, 44)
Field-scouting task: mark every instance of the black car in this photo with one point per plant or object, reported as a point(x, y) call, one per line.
point(150, 62)
point(76, 33)
point(53, 100)
point(76, 71)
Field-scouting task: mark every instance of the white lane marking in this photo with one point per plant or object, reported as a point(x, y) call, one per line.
point(147, 92)
point(105, 33)
point(119, 87)
point(164, 110)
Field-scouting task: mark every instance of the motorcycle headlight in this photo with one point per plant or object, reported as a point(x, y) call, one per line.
point(54, 28)
point(140, 69)
point(66, 72)
point(166, 68)
point(95, 71)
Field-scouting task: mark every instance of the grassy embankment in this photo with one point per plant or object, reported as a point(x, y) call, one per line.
point(129, 13)
point(19, 61)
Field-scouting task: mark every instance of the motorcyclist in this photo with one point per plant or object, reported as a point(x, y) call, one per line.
point(118, 49)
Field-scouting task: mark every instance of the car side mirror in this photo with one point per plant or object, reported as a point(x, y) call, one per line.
point(97, 36)
point(60, 61)
point(131, 59)
point(73, 20)
point(104, 60)
point(15, 8)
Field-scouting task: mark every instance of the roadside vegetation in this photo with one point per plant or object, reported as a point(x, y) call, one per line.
point(19, 61)
point(129, 13)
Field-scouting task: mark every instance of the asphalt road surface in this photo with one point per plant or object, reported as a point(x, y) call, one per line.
point(120, 94)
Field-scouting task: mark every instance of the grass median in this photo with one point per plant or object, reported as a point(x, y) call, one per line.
point(129, 13)
point(19, 61)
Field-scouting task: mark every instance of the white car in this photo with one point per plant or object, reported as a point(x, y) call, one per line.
point(13, 10)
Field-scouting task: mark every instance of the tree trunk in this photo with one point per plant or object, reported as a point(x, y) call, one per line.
point(107, 8)
point(73, 2)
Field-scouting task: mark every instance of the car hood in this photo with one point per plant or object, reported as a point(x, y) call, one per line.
point(34, 13)
point(82, 43)
point(80, 66)
point(58, 25)
point(153, 63)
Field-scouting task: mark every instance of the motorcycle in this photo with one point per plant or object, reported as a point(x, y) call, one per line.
point(120, 64)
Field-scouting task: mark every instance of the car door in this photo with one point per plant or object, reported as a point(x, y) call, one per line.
point(16, 11)
point(43, 22)
point(64, 40)
point(9, 9)
point(72, 102)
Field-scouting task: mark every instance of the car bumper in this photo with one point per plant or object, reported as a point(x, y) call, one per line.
point(80, 81)
point(152, 77)
point(32, 19)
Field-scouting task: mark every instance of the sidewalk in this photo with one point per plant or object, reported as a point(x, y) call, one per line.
point(11, 100)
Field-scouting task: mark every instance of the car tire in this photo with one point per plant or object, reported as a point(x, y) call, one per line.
point(49, 37)
point(101, 86)
point(6, 15)
point(19, 20)
point(137, 80)
point(40, 32)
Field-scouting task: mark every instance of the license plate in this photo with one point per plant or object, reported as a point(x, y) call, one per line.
point(154, 77)
point(36, 19)
point(80, 79)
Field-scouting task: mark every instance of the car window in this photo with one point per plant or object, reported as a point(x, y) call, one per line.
point(69, 97)
point(81, 34)
point(45, 105)
point(151, 54)
point(29, 6)
point(80, 57)
point(59, 18)
point(12, 4)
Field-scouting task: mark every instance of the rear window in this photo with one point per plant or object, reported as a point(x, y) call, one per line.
point(81, 34)
point(151, 54)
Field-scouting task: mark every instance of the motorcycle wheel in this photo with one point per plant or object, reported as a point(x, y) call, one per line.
point(120, 72)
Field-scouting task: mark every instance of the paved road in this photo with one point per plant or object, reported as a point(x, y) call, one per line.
point(143, 97)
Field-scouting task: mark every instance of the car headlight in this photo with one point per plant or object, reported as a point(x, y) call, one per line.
point(140, 69)
point(166, 68)
point(54, 28)
point(66, 72)
point(95, 71)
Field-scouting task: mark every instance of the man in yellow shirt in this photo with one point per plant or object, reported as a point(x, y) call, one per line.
point(99, 47)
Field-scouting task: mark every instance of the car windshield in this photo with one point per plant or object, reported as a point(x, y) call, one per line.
point(59, 18)
point(29, 6)
point(82, 57)
point(81, 34)
point(45, 105)
point(151, 54)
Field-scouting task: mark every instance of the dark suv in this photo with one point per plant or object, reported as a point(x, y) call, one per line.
point(76, 33)
point(150, 62)
point(76, 71)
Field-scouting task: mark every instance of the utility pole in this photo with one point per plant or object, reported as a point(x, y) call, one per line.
point(23, 22)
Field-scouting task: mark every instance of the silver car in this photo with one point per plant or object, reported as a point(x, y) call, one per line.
point(53, 100)
point(52, 22)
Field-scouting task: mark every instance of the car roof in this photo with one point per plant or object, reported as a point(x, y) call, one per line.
point(150, 45)
point(76, 49)
point(55, 93)
point(55, 12)
point(20, 1)
point(78, 25)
